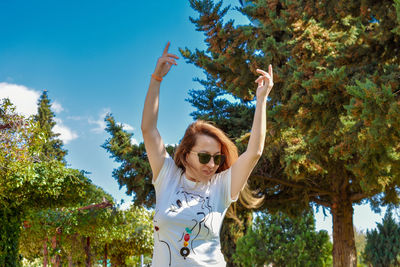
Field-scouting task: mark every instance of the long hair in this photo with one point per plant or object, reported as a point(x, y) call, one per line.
point(247, 196)
point(188, 141)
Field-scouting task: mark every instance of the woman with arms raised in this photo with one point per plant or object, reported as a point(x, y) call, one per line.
point(194, 190)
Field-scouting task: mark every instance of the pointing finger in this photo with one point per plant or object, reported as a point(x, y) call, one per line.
point(270, 72)
point(166, 49)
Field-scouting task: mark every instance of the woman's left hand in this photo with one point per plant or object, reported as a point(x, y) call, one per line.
point(265, 82)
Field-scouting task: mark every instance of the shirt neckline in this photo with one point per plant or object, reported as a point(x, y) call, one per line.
point(191, 184)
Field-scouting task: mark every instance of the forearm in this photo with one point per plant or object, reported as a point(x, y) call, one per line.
point(255, 146)
point(151, 104)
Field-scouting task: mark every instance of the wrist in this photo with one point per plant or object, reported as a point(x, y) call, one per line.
point(262, 97)
point(156, 77)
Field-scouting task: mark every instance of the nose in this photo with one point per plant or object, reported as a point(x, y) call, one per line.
point(211, 163)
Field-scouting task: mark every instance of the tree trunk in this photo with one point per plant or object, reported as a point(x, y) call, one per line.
point(45, 252)
point(344, 248)
point(70, 262)
point(105, 255)
point(56, 259)
point(87, 250)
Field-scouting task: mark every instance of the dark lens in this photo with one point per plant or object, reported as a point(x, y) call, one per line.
point(219, 159)
point(204, 158)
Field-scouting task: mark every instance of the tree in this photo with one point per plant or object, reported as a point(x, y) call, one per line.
point(52, 145)
point(383, 244)
point(333, 115)
point(26, 181)
point(284, 241)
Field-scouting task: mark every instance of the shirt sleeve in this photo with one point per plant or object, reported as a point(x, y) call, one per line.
point(165, 173)
point(224, 180)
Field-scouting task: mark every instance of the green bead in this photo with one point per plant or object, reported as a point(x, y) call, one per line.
point(188, 230)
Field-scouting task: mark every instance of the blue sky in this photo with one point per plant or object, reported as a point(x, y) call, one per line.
point(96, 57)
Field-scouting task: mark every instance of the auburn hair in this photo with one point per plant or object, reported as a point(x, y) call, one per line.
point(188, 141)
point(247, 197)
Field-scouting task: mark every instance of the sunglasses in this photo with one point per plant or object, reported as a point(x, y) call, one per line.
point(205, 158)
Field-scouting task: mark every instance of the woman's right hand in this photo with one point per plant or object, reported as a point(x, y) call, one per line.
point(165, 62)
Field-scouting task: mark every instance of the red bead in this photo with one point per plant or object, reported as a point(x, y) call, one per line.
point(156, 227)
point(186, 237)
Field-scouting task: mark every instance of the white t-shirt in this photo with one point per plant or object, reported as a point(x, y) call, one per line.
point(188, 218)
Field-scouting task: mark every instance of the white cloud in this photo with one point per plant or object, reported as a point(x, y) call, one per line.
point(100, 122)
point(66, 134)
point(76, 118)
point(134, 141)
point(125, 205)
point(24, 98)
point(127, 127)
point(56, 107)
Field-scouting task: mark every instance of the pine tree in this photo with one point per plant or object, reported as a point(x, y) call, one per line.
point(383, 244)
point(52, 146)
point(333, 115)
point(134, 172)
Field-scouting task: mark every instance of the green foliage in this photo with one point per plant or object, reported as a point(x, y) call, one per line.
point(383, 244)
point(27, 182)
point(211, 104)
point(135, 171)
point(284, 241)
point(10, 221)
point(133, 236)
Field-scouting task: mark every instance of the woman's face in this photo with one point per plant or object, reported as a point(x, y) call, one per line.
point(197, 171)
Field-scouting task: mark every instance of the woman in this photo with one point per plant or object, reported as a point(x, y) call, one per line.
point(194, 190)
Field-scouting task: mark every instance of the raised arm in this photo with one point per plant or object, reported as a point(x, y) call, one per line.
point(245, 164)
point(155, 147)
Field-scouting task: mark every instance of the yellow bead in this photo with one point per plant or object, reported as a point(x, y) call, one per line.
point(185, 244)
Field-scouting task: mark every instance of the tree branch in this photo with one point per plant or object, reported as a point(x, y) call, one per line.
point(321, 202)
point(295, 185)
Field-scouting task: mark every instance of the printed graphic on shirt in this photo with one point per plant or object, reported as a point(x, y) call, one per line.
point(197, 213)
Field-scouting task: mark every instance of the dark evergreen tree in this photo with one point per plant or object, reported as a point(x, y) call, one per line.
point(383, 244)
point(333, 115)
point(134, 172)
point(283, 241)
point(52, 145)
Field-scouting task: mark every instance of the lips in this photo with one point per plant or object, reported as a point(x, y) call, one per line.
point(207, 172)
